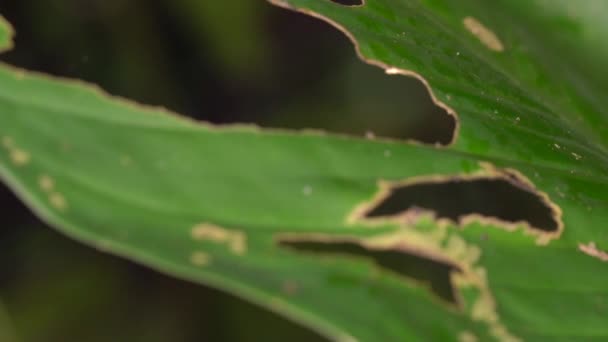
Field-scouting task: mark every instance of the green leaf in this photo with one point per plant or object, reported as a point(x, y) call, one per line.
point(6, 35)
point(287, 219)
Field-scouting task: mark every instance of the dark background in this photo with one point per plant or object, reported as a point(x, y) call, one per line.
point(219, 61)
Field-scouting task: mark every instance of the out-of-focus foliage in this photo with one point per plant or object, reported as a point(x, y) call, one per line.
point(7, 331)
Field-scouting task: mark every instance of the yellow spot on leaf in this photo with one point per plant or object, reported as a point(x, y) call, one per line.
point(46, 183)
point(19, 157)
point(58, 201)
point(199, 258)
point(236, 240)
point(467, 336)
point(485, 35)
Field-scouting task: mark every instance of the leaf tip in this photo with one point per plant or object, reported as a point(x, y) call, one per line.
point(7, 34)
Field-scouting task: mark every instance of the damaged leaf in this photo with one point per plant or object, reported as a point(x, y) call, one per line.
point(268, 215)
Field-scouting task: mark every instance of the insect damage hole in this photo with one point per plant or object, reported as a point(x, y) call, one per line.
point(505, 198)
point(433, 274)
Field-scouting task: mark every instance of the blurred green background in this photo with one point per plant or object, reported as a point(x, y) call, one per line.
point(219, 61)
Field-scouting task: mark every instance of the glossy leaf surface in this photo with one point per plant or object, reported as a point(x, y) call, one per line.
point(278, 217)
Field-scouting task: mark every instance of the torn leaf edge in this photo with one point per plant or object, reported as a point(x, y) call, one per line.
point(388, 69)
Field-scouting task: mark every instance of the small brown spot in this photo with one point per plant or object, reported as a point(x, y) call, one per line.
point(199, 258)
point(485, 35)
point(289, 287)
point(58, 201)
point(46, 183)
point(592, 250)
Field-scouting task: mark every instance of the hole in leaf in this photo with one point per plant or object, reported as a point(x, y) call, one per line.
point(433, 274)
point(348, 2)
point(506, 199)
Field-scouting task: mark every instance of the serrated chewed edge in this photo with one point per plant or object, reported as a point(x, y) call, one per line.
point(441, 244)
point(486, 171)
point(388, 69)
